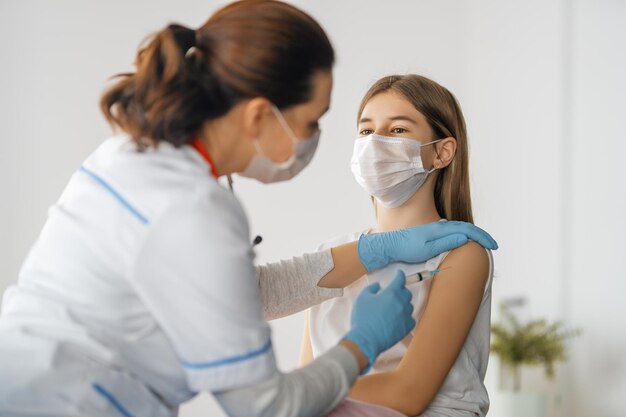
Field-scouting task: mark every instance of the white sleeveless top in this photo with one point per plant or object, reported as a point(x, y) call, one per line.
point(463, 393)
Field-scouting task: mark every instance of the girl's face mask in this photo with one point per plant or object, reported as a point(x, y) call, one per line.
point(389, 168)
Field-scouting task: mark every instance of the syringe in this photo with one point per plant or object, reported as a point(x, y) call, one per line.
point(420, 276)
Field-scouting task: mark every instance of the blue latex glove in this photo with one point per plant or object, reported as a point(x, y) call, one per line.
point(419, 244)
point(380, 319)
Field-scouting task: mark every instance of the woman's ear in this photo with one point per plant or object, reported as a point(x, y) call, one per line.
point(446, 149)
point(254, 113)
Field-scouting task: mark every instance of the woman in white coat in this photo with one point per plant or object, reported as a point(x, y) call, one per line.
point(141, 290)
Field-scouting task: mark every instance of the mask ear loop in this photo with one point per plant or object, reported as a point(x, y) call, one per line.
point(434, 142)
point(284, 124)
point(257, 147)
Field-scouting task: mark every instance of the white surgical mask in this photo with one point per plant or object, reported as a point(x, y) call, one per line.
point(265, 170)
point(389, 168)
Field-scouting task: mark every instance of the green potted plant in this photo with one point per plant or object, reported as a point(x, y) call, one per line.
point(535, 343)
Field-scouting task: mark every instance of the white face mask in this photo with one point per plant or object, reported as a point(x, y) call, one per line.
point(389, 168)
point(265, 170)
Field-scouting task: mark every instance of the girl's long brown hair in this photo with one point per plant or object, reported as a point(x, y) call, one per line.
point(444, 115)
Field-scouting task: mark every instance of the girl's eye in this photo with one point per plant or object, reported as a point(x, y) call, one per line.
point(366, 132)
point(399, 130)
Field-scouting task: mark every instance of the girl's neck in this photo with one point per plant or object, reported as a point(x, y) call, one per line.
point(419, 209)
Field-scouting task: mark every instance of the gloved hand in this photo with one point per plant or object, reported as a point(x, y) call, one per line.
point(418, 244)
point(380, 319)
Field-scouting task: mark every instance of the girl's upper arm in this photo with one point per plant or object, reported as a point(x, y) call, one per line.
point(455, 297)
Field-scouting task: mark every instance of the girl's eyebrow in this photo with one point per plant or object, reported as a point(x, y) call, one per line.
point(393, 118)
point(405, 118)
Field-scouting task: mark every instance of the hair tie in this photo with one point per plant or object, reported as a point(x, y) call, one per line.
point(192, 50)
point(184, 37)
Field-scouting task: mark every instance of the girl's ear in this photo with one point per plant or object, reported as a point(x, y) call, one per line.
point(446, 149)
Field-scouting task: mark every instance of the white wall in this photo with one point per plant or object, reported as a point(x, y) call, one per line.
point(597, 375)
point(514, 117)
point(540, 83)
point(515, 72)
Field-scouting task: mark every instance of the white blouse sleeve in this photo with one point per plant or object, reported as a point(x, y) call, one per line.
point(311, 391)
point(195, 274)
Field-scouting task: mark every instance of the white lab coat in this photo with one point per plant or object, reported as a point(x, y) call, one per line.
point(139, 293)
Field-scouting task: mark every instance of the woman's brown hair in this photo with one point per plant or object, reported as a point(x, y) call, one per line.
point(444, 115)
point(184, 77)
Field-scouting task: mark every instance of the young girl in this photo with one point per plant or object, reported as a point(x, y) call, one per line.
point(411, 156)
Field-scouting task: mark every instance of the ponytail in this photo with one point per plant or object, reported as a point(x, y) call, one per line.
point(171, 93)
point(184, 77)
